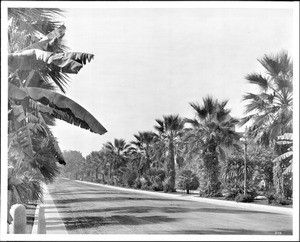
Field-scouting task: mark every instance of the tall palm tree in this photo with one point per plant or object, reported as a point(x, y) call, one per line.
point(170, 130)
point(116, 154)
point(271, 109)
point(210, 137)
point(144, 148)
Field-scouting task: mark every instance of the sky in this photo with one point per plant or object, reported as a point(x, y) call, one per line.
point(151, 62)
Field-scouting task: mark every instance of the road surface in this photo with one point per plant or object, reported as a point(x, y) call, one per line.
point(91, 209)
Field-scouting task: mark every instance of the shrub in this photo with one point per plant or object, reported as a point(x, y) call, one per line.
point(129, 178)
point(153, 180)
point(146, 185)
point(156, 178)
point(278, 199)
point(283, 200)
point(252, 192)
point(244, 198)
point(230, 196)
point(235, 190)
point(137, 183)
point(166, 185)
point(157, 186)
point(188, 181)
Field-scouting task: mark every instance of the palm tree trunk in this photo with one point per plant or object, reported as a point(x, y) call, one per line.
point(96, 174)
point(109, 172)
point(171, 167)
point(211, 164)
point(278, 179)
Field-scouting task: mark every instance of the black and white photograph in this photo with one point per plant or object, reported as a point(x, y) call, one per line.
point(149, 121)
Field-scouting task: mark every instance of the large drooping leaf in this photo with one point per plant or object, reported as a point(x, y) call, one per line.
point(73, 112)
point(35, 59)
point(59, 106)
point(15, 92)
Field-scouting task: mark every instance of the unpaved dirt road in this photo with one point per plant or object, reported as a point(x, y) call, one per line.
point(91, 209)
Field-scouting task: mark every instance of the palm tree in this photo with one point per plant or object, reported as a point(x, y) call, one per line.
point(96, 159)
point(116, 155)
point(170, 129)
point(144, 150)
point(271, 109)
point(210, 137)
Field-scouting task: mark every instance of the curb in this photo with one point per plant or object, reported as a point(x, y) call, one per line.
point(246, 206)
point(47, 211)
point(36, 218)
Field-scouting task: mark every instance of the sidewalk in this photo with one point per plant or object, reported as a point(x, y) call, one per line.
point(192, 197)
point(47, 219)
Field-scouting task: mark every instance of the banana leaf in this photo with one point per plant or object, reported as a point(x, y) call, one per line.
point(51, 42)
point(35, 59)
point(61, 106)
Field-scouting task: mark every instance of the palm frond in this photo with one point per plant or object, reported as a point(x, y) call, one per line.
point(271, 64)
point(200, 111)
point(258, 79)
point(209, 104)
point(35, 19)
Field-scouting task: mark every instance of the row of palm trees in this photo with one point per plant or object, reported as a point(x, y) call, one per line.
point(211, 140)
point(212, 131)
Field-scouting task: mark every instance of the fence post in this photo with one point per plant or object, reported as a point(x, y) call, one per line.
point(41, 229)
point(18, 212)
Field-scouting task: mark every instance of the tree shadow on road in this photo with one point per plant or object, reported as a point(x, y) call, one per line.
point(129, 210)
point(141, 209)
point(82, 191)
point(85, 222)
point(105, 199)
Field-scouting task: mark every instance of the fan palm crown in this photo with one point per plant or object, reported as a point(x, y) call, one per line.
point(271, 109)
